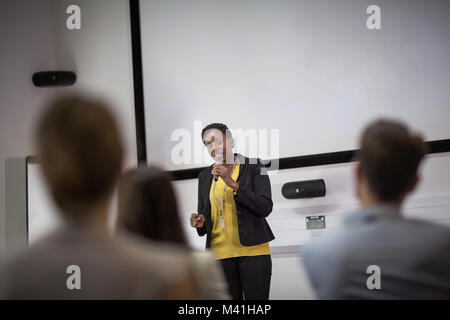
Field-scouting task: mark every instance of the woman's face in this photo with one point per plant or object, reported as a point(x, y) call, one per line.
point(218, 146)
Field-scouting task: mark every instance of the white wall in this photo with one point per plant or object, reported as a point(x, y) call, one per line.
point(35, 38)
point(100, 53)
point(27, 46)
point(429, 202)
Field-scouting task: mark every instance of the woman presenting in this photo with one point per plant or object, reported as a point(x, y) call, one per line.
point(234, 198)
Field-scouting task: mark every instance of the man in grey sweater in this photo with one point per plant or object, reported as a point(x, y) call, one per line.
point(378, 254)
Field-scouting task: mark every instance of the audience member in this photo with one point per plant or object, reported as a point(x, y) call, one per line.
point(379, 254)
point(148, 207)
point(80, 154)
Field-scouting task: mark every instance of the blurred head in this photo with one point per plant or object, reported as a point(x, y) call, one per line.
point(218, 140)
point(389, 158)
point(148, 207)
point(80, 153)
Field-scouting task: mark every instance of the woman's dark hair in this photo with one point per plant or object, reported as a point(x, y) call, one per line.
point(148, 207)
point(218, 126)
point(389, 157)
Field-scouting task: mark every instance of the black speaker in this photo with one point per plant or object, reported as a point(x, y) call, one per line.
point(304, 189)
point(54, 78)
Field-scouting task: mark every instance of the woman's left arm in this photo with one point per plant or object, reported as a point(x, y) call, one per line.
point(259, 200)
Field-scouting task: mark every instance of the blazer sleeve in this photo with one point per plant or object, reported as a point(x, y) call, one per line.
point(259, 200)
point(201, 231)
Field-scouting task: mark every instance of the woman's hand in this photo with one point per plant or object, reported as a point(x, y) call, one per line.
point(225, 173)
point(197, 220)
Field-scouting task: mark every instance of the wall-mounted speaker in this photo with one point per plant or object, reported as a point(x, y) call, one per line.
point(304, 189)
point(54, 78)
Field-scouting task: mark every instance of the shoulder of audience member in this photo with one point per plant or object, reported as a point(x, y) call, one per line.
point(27, 257)
point(329, 245)
point(153, 251)
point(433, 233)
point(203, 259)
point(173, 265)
point(209, 274)
point(169, 260)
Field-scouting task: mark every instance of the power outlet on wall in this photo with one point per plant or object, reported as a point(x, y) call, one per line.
point(316, 224)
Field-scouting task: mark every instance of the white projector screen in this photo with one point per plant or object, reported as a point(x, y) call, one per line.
point(312, 70)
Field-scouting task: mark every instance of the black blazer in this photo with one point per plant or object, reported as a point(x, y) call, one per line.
point(253, 203)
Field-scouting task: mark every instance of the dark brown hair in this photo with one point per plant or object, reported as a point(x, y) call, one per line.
point(80, 152)
point(390, 155)
point(218, 126)
point(148, 206)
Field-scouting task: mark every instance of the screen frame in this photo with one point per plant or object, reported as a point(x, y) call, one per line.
point(345, 156)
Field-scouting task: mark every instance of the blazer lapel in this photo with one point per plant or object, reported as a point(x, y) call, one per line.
point(206, 185)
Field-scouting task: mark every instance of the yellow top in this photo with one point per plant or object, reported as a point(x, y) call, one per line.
point(225, 241)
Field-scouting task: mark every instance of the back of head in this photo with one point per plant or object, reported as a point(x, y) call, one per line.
point(148, 207)
point(80, 152)
point(389, 158)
